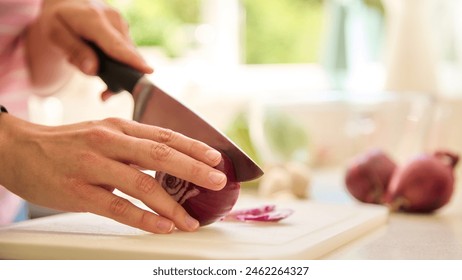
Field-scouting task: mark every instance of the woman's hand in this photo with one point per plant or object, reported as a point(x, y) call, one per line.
point(77, 167)
point(59, 36)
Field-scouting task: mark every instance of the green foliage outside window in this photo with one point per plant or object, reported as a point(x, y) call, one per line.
point(288, 31)
point(276, 31)
point(159, 22)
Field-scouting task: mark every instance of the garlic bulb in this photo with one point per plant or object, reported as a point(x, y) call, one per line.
point(289, 180)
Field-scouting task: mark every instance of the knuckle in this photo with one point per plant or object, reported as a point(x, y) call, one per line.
point(124, 25)
point(174, 211)
point(145, 184)
point(196, 169)
point(119, 206)
point(195, 146)
point(144, 219)
point(79, 190)
point(94, 12)
point(112, 13)
point(75, 54)
point(53, 32)
point(115, 122)
point(166, 135)
point(160, 151)
point(177, 211)
point(116, 46)
point(99, 135)
point(88, 158)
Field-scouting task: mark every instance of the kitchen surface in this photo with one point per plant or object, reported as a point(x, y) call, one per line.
point(410, 236)
point(330, 226)
point(310, 232)
point(303, 123)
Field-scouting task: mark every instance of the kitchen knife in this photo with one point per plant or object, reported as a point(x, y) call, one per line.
point(155, 107)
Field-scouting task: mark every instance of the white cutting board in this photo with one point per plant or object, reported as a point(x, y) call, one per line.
point(313, 230)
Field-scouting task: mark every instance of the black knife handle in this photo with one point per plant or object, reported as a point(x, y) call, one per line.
point(116, 75)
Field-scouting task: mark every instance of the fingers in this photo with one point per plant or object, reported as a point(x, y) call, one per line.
point(118, 22)
point(78, 53)
point(143, 187)
point(113, 149)
point(77, 21)
point(196, 149)
point(104, 203)
point(159, 156)
point(182, 157)
point(123, 211)
point(171, 152)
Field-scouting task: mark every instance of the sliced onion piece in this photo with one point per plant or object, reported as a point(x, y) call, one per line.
point(267, 213)
point(253, 211)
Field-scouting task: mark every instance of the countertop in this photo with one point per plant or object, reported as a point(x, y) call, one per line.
point(405, 236)
point(401, 236)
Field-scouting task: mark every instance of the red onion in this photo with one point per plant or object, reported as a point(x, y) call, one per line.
point(266, 213)
point(368, 175)
point(207, 206)
point(424, 184)
point(253, 211)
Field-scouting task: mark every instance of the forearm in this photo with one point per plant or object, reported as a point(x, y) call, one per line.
point(10, 126)
point(48, 67)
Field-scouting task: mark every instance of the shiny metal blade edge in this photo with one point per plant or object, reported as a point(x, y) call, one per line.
point(155, 107)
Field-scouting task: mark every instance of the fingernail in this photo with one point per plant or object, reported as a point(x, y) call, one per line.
point(164, 225)
point(88, 67)
point(149, 69)
point(217, 177)
point(191, 222)
point(213, 155)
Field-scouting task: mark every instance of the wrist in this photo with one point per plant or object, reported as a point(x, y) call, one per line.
point(2, 112)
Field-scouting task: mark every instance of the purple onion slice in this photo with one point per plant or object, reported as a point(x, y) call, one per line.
point(267, 213)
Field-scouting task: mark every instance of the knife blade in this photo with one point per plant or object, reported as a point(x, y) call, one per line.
point(155, 107)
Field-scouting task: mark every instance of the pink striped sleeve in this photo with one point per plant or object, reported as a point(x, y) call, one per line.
point(15, 15)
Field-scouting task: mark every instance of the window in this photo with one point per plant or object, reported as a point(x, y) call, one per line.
point(269, 31)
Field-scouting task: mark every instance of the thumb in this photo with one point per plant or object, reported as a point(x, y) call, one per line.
point(84, 58)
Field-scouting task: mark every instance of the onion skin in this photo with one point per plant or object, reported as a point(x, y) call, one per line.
point(206, 206)
point(368, 175)
point(424, 184)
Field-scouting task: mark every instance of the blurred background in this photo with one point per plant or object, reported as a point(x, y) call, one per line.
point(312, 81)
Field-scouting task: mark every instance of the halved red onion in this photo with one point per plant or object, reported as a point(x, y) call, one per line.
point(207, 206)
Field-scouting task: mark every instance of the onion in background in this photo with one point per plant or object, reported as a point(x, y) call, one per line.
point(368, 175)
point(424, 184)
